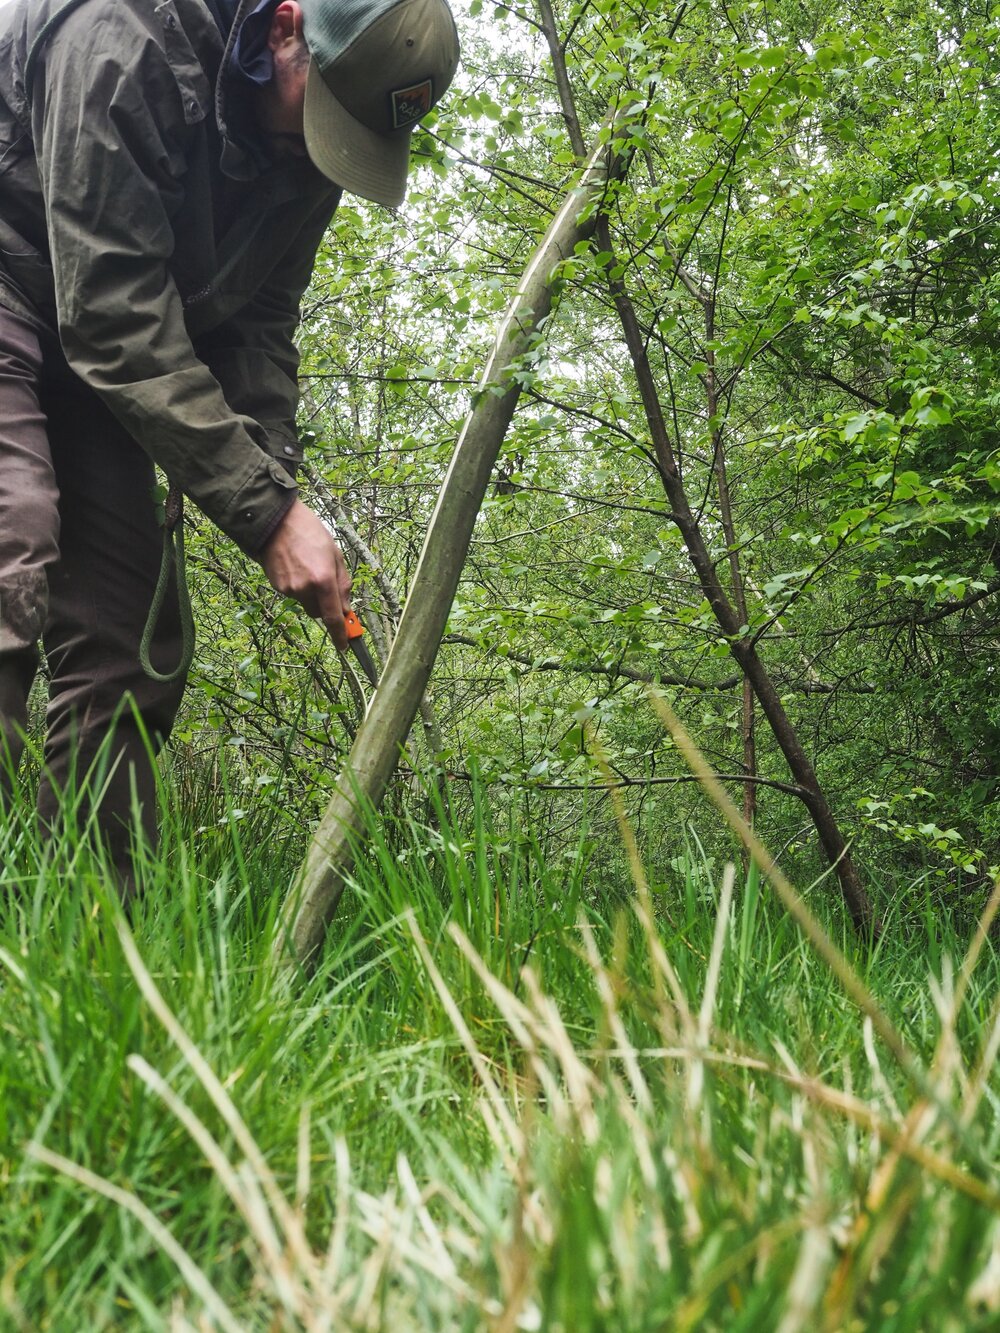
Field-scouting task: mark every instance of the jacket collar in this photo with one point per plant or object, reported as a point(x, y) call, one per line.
point(223, 11)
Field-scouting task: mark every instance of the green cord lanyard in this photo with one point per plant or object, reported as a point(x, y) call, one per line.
point(173, 558)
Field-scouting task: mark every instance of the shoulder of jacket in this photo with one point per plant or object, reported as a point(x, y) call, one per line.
point(42, 19)
point(184, 27)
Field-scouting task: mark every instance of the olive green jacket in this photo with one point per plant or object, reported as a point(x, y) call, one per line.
point(139, 221)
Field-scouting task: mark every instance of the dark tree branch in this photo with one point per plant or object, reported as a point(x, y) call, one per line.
point(671, 780)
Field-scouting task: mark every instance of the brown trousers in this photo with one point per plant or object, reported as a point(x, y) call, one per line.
point(79, 556)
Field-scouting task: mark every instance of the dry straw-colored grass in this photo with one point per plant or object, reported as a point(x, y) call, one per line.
point(623, 1111)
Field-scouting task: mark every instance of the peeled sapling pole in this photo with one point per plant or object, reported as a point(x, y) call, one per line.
point(375, 752)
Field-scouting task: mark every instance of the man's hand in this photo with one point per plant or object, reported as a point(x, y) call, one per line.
point(302, 560)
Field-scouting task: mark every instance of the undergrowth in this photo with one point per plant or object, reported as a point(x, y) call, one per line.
point(498, 1104)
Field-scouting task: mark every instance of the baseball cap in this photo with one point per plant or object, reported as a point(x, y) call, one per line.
point(376, 67)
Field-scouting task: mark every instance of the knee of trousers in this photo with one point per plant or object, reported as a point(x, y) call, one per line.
point(24, 597)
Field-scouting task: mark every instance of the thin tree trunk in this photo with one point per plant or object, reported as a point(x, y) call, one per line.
point(730, 620)
point(375, 752)
point(747, 730)
point(740, 643)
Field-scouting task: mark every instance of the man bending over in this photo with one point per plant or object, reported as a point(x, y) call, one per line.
point(167, 171)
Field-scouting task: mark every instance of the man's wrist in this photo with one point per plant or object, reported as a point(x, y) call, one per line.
point(275, 524)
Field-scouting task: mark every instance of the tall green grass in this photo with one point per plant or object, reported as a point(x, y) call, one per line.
point(497, 1104)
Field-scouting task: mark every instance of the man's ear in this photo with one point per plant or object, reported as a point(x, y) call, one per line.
point(286, 23)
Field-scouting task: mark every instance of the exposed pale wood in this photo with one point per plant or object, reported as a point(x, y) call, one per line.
point(376, 748)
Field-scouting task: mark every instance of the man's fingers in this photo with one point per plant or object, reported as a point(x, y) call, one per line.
point(330, 605)
point(335, 628)
point(303, 560)
point(332, 615)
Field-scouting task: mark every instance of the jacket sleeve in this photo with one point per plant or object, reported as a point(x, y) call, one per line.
point(253, 354)
point(110, 127)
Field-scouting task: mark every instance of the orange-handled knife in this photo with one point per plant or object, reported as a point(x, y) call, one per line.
point(355, 631)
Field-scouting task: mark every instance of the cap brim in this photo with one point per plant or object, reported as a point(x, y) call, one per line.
point(348, 153)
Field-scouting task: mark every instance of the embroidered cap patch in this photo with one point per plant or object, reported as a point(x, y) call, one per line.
point(409, 104)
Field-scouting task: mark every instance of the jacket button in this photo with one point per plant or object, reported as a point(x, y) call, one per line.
point(249, 515)
point(289, 450)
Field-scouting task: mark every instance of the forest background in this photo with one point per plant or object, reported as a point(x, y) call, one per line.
point(753, 471)
point(805, 238)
